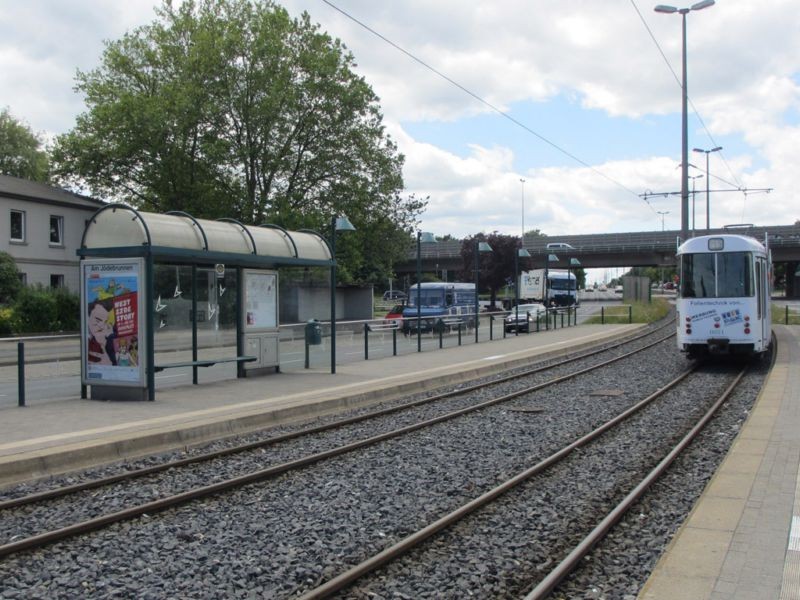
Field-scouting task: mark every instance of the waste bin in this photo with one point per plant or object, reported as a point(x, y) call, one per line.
point(313, 333)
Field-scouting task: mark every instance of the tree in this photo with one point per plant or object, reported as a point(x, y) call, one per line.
point(496, 268)
point(22, 152)
point(231, 108)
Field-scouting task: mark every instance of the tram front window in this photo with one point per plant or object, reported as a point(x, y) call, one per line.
point(727, 275)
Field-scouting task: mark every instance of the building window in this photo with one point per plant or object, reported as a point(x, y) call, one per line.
point(56, 281)
point(23, 278)
point(17, 226)
point(56, 231)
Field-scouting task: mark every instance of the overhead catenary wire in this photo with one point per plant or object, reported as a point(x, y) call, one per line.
point(487, 103)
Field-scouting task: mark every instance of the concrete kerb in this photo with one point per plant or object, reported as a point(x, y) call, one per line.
point(84, 453)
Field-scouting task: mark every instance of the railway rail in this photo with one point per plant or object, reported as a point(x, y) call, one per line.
point(548, 583)
point(256, 524)
point(21, 542)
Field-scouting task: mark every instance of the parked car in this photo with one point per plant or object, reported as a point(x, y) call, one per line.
point(559, 246)
point(589, 290)
point(528, 313)
point(394, 295)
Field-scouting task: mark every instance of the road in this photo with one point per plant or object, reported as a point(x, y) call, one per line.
point(52, 369)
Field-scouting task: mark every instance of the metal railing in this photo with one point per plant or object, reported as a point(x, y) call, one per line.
point(379, 337)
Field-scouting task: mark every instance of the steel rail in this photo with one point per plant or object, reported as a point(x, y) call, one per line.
point(415, 539)
point(207, 456)
point(42, 539)
point(566, 566)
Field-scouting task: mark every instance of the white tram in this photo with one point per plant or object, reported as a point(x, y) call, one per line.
point(724, 296)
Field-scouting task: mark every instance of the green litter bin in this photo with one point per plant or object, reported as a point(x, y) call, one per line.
point(313, 333)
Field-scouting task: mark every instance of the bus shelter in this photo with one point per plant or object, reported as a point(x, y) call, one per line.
point(170, 283)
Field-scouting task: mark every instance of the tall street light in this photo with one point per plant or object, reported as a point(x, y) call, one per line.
point(694, 178)
point(550, 258)
point(423, 237)
point(522, 181)
point(479, 247)
point(708, 181)
point(337, 224)
point(520, 253)
point(661, 8)
point(662, 213)
point(573, 262)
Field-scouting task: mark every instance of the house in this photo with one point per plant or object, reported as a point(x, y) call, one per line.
point(42, 228)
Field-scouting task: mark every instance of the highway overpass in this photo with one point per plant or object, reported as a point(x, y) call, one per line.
point(606, 250)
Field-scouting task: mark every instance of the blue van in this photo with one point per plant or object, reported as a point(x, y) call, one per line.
point(439, 300)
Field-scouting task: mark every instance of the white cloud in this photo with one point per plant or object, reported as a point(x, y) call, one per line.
point(744, 78)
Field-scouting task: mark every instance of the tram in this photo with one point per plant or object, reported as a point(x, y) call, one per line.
point(723, 298)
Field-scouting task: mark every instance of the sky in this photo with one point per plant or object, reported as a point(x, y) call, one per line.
point(573, 97)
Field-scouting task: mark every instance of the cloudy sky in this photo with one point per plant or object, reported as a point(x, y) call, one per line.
point(591, 107)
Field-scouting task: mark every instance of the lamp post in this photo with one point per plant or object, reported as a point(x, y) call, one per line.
point(573, 262)
point(550, 258)
point(662, 213)
point(694, 193)
point(522, 239)
point(479, 247)
point(661, 8)
point(423, 237)
point(708, 181)
point(337, 224)
point(520, 253)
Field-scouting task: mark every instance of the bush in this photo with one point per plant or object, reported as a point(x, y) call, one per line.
point(6, 321)
point(10, 285)
point(39, 310)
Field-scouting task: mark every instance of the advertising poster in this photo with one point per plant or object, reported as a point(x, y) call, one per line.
point(111, 330)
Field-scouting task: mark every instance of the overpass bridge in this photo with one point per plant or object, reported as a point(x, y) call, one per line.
point(606, 250)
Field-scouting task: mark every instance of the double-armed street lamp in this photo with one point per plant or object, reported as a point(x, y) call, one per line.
point(479, 247)
point(337, 224)
point(423, 237)
point(708, 180)
point(662, 8)
point(662, 213)
point(694, 178)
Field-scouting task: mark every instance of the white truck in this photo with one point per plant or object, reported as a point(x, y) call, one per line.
point(561, 287)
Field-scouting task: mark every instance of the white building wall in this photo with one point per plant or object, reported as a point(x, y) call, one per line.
point(36, 257)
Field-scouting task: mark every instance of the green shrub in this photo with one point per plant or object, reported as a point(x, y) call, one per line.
point(34, 310)
point(10, 285)
point(6, 321)
point(39, 310)
point(67, 315)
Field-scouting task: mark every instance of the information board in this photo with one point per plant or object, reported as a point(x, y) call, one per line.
point(261, 300)
point(111, 322)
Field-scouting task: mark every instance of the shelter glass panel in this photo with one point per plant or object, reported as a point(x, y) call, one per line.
point(216, 314)
point(172, 306)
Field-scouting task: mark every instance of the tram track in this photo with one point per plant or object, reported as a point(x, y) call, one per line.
point(281, 539)
point(364, 579)
point(39, 539)
point(131, 474)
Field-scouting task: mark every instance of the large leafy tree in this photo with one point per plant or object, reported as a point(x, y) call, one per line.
point(496, 268)
point(22, 153)
point(232, 108)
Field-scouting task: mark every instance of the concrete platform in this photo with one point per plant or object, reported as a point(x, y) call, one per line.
point(56, 437)
point(742, 539)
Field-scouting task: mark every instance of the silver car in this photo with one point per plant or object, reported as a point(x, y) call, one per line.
point(528, 313)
